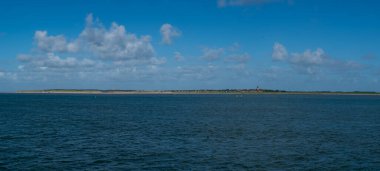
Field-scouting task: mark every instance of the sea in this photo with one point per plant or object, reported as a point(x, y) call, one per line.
point(189, 132)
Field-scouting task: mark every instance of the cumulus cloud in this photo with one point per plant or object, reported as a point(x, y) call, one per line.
point(309, 57)
point(114, 43)
point(97, 52)
point(48, 43)
point(96, 42)
point(226, 3)
point(210, 54)
point(310, 61)
point(168, 32)
point(315, 62)
point(279, 52)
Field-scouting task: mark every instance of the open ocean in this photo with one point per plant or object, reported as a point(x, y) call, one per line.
point(189, 132)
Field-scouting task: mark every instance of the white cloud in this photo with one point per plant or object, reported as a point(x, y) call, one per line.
point(210, 54)
point(316, 62)
point(279, 52)
point(309, 57)
point(310, 62)
point(168, 32)
point(95, 40)
point(111, 54)
point(52, 61)
point(48, 43)
point(97, 54)
point(93, 44)
point(114, 43)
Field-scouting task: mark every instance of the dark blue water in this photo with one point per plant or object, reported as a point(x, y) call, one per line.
point(189, 132)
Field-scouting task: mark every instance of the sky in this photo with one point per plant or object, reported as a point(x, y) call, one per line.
point(312, 45)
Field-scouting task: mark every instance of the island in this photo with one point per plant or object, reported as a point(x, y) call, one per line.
point(200, 91)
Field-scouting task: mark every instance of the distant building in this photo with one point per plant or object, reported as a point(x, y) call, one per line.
point(258, 89)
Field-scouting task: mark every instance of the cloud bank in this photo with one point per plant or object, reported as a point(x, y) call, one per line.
point(113, 54)
point(97, 51)
point(103, 55)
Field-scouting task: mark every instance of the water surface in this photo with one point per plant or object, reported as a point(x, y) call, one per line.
point(183, 132)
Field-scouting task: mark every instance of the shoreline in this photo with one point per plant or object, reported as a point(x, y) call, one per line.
point(192, 93)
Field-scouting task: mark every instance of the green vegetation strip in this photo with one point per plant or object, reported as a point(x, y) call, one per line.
point(223, 91)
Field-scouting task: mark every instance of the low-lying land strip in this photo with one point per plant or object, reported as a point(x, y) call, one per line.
point(223, 91)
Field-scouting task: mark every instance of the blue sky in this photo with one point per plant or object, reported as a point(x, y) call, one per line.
point(168, 44)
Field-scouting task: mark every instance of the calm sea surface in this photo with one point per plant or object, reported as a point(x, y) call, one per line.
point(189, 132)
